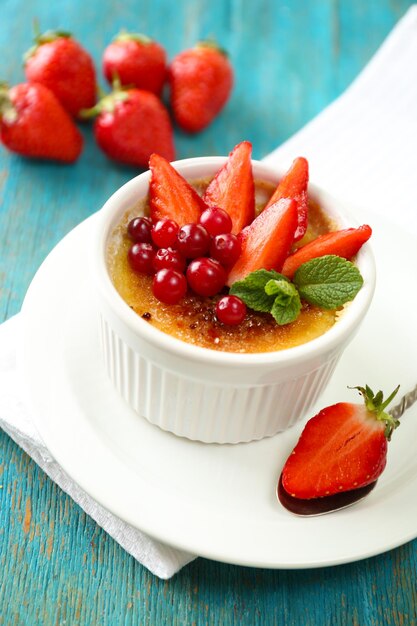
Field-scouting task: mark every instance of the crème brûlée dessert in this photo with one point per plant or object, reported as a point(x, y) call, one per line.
point(234, 264)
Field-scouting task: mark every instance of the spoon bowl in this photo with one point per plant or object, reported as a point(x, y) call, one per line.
point(321, 506)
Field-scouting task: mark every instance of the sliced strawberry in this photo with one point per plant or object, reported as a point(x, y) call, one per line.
point(266, 241)
point(343, 447)
point(171, 196)
point(294, 185)
point(345, 243)
point(233, 188)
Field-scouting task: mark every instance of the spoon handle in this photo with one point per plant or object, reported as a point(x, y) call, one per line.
point(405, 402)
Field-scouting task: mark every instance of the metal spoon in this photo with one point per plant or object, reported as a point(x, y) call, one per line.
point(328, 504)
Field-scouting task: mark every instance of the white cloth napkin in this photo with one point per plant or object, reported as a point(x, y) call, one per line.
point(362, 148)
point(160, 559)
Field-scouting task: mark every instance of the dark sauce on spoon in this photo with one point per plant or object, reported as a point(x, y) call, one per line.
point(320, 506)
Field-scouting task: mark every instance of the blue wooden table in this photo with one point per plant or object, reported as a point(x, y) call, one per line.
point(56, 565)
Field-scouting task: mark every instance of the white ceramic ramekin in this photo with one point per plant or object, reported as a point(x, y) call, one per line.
point(203, 394)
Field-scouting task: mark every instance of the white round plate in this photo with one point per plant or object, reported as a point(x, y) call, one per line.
point(217, 501)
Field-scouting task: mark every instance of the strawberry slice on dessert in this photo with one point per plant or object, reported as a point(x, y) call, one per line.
point(265, 243)
point(294, 185)
point(171, 196)
point(233, 189)
point(344, 243)
point(342, 448)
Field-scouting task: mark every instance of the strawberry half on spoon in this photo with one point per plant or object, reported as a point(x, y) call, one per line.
point(342, 448)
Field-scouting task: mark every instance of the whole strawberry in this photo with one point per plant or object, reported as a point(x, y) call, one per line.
point(201, 80)
point(342, 448)
point(131, 124)
point(137, 61)
point(59, 62)
point(34, 123)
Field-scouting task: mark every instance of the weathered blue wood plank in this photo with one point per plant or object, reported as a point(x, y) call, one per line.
point(57, 566)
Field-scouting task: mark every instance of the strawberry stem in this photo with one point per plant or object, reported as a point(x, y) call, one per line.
point(390, 398)
point(41, 38)
point(138, 37)
point(100, 92)
point(51, 35)
point(107, 103)
point(116, 82)
point(36, 29)
point(8, 113)
point(212, 44)
point(376, 404)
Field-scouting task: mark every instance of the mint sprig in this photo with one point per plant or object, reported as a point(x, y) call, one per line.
point(269, 292)
point(328, 282)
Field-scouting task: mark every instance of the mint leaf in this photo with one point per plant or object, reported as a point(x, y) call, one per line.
point(289, 311)
point(328, 281)
point(252, 289)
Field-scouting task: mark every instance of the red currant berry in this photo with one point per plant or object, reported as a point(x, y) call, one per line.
point(225, 249)
point(139, 229)
point(169, 286)
point(164, 233)
point(216, 221)
point(206, 276)
point(193, 240)
point(168, 258)
point(140, 257)
point(231, 310)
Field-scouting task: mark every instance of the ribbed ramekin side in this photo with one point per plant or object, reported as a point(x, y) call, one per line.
point(202, 411)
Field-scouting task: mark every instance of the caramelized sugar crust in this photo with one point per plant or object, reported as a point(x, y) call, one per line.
point(193, 319)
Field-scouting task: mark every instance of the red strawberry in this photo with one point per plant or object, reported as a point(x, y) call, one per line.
point(131, 125)
point(266, 242)
point(201, 81)
point(294, 185)
point(34, 123)
point(137, 61)
point(58, 62)
point(345, 243)
point(171, 196)
point(343, 447)
point(233, 188)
